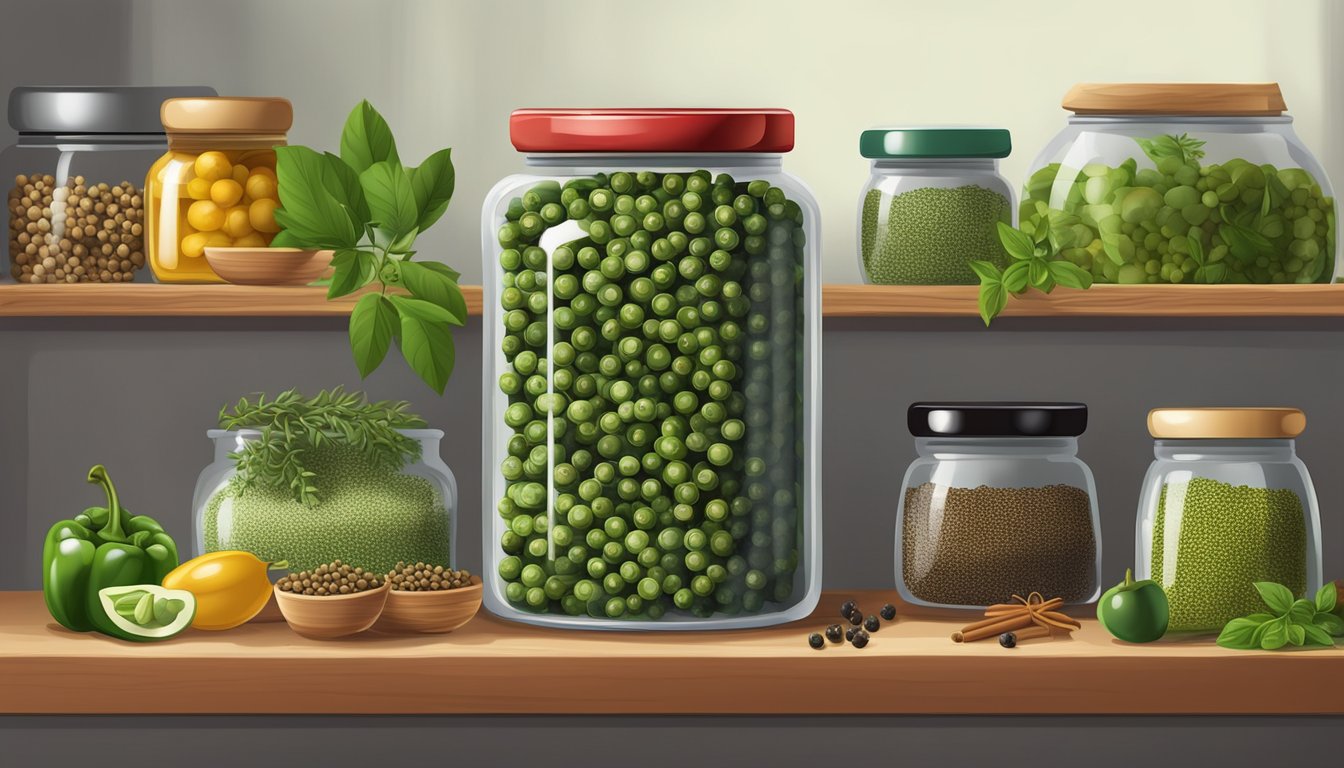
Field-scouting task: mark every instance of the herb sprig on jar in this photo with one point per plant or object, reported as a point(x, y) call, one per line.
point(291, 426)
point(1035, 264)
point(370, 208)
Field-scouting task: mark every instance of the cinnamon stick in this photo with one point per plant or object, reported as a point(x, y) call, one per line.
point(1001, 608)
point(1031, 632)
point(981, 630)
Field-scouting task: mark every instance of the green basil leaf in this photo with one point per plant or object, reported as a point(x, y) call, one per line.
point(1326, 597)
point(436, 288)
point(391, 200)
point(342, 183)
point(993, 298)
point(1302, 611)
point(308, 211)
point(1070, 275)
point(442, 269)
point(402, 245)
point(1042, 231)
point(1317, 636)
point(373, 323)
point(427, 345)
point(1214, 273)
point(1110, 243)
point(1239, 634)
point(1017, 243)
point(419, 308)
point(352, 270)
point(1258, 241)
point(987, 272)
point(1261, 618)
point(1296, 634)
point(286, 239)
point(1274, 635)
point(1329, 622)
point(1196, 249)
point(367, 139)
point(1039, 275)
point(1278, 597)
point(433, 183)
point(1015, 276)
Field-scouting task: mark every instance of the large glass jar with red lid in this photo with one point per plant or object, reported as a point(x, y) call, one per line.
point(652, 348)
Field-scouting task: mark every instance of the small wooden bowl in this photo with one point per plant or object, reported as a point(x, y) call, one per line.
point(323, 617)
point(432, 612)
point(268, 266)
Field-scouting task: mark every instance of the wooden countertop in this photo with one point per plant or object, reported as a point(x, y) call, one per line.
point(153, 300)
point(492, 666)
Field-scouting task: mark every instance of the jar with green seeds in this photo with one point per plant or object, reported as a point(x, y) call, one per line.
point(652, 335)
point(932, 204)
point(1184, 183)
point(1226, 503)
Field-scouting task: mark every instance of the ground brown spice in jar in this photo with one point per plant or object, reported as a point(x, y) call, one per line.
point(980, 546)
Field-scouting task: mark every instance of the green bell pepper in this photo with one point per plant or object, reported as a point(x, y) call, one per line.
point(103, 547)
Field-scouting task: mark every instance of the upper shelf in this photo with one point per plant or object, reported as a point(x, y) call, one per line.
point(490, 666)
point(152, 300)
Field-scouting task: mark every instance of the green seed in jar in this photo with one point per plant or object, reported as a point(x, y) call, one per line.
point(929, 236)
point(1226, 538)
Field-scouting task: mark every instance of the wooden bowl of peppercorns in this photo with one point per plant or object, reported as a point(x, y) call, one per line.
point(430, 599)
point(330, 601)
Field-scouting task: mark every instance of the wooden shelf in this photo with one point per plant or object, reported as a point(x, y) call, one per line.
point(1098, 301)
point(491, 666)
point(153, 300)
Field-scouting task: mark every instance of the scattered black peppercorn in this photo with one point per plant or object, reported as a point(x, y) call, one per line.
point(860, 639)
point(1008, 640)
point(856, 618)
point(848, 609)
point(849, 633)
point(815, 640)
point(834, 633)
point(888, 612)
point(871, 623)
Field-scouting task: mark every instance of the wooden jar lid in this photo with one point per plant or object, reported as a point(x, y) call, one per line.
point(1211, 99)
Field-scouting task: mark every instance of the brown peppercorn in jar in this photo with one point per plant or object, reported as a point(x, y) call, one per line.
point(75, 209)
point(216, 186)
point(997, 504)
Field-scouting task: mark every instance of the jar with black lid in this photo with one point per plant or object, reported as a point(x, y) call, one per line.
point(997, 504)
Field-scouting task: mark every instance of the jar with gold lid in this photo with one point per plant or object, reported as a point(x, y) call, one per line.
point(1226, 503)
point(216, 185)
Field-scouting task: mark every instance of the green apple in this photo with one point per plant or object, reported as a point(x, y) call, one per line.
point(1134, 611)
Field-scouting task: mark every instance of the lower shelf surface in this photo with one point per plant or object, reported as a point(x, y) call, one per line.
point(490, 666)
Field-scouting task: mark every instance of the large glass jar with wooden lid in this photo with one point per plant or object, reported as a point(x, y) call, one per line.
point(216, 185)
point(1184, 183)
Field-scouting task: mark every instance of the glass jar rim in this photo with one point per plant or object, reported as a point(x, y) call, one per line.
point(930, 142)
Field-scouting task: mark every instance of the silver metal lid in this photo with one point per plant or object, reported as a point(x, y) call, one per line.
point(93, 109)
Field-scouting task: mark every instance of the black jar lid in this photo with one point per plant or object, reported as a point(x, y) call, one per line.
point(997, 419)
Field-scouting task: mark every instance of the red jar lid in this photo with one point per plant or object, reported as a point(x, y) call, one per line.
point(651, 130)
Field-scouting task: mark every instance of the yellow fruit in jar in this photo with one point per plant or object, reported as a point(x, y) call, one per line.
point(260, 186)
point(236, 222)
point(198, 189)
point(230, 587)
point(240, 173)
point(226, 192)
point(262, 170)
point(213, 166)
point(251, 240)
point(193, 245)
point(261, 214)
point(205, 215)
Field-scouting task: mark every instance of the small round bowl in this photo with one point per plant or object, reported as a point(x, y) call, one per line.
point(430, 612)
point(268, 266)
point(324, 617)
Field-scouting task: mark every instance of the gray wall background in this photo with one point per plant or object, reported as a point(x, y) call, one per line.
point(139, 394)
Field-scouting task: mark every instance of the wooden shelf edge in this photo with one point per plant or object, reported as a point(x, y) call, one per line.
point(494, 667)
point(848, 301)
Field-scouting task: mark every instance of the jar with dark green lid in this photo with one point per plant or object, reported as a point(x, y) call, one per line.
point(932, 204)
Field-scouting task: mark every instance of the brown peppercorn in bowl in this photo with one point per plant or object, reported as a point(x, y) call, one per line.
point(430, 611)
point(325, 617)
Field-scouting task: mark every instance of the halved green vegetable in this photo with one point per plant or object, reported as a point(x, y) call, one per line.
point(146, 612)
